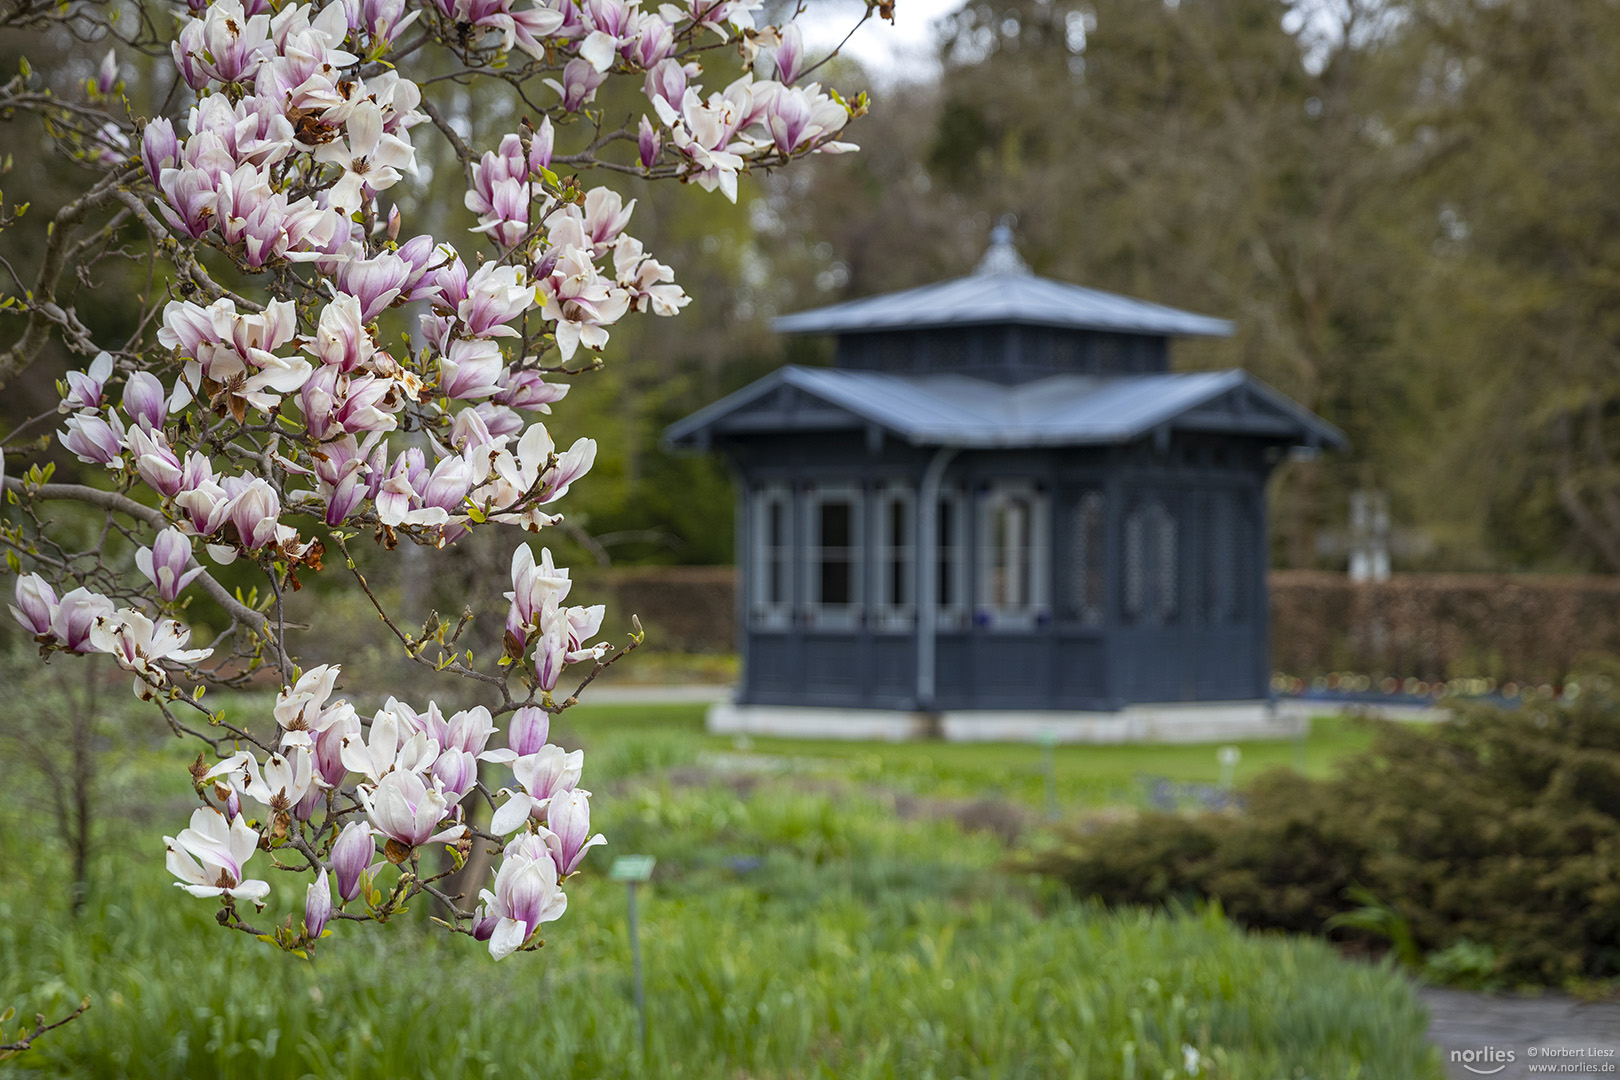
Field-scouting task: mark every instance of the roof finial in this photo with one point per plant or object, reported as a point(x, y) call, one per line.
point(1002, 256)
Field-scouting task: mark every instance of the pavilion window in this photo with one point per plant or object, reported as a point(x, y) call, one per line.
point(894, 542)
point(1013, 555)
point(1088, 554)
point(773, 556)
point(834, 556)
point(1151, 573)
point(950, 560)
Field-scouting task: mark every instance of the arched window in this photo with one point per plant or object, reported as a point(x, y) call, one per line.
point(1013, 555)
point(1088, 554)
point(833, 556)
point(893, 543)
point(950, 565)
point(772, 528)
point(1151, 578)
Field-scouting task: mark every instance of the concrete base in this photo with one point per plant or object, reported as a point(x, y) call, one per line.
point(1179, 722)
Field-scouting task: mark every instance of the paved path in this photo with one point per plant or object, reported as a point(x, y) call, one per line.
point(1550, 1035)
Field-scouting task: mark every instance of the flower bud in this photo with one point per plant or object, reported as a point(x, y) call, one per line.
point(541, 146)
point(393, 222)
point(568, 823)
point(144, 401)
point(254, 512)
point(351, 857)
point(649, 143)
point(311, 801)
point(529, 729)
point(36, 604)
point(317, 906)
point(165, 563)
point(456, 771)
point(107, 74)
point(157, 464)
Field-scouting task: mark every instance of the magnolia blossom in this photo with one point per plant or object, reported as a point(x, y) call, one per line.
point(95, 441)
point(580, 80)
point(301, 709)
point(528, 475)
point(144, 401)
point(543, 774)
point(155, 462)
point(165, 563)
point(568, 823)
point(77, 617)
point(107, 73)
point(330, 772)
point(141, 645)
point(209, 857)
point(393, 745)
point(352, 853)
point(533, 587)
point(84, 387)
point(276, 180)
point(36, 605)
point(789, 55)
point(284, 781)
point(525, 897)
point(403, 808)
point(225, 45)
point(317, 906)
point(232, 351)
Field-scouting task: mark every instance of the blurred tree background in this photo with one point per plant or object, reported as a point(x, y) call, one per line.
point(1405, 205)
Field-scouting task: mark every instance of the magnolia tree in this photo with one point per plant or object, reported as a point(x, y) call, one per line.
point(257, 417)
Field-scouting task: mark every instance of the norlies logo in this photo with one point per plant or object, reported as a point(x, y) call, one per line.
point(1486, 1061)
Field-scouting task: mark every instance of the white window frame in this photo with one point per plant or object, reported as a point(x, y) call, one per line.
point(951, 614)
point(888, 550)
point(833, 616)
point(998, 614)
point(772, 613)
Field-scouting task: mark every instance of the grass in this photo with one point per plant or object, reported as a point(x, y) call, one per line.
point(796, 927)
point(1087, 777)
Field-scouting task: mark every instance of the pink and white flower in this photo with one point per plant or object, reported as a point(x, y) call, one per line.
point(526, 896)
point(543, 775)
point(404, 808)
point(568, 823)
point(36, 604)
point(211, 855)
point(166, 563)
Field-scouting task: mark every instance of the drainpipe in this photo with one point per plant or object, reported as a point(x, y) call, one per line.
point(928, 571)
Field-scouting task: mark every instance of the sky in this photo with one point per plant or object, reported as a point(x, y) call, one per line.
point(887, 52)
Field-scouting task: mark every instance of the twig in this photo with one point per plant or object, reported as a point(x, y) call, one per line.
point(41, 1027)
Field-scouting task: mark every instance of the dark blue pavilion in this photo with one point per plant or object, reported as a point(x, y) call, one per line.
point(1001, 498)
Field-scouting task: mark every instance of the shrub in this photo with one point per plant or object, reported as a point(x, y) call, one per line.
point(1494, 836)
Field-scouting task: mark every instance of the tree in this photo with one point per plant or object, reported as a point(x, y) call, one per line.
point(295, 368)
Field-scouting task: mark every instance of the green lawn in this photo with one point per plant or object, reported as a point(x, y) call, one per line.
point(1087, 777)
point(797, 926)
